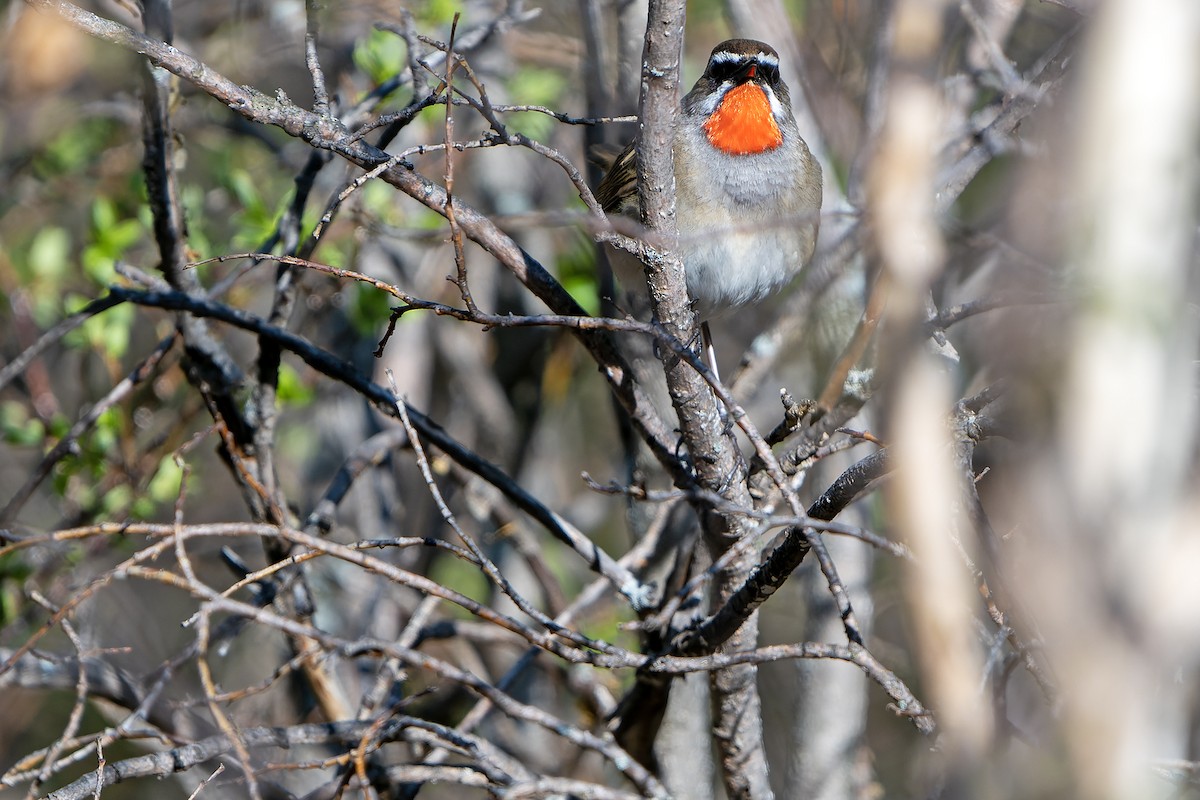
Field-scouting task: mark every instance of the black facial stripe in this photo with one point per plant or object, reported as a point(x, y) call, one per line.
point(722, 71)
point(737, 69)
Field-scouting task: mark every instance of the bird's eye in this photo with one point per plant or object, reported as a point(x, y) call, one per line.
point(722, 71)
point(770, 73)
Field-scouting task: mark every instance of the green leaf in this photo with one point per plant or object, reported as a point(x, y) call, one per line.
point(368, 308)
point(76, 146)
point(106, 432)
point(164, 486)
point(461, 577)
point(380, 55)
point(333, 254)
point(538, 87)
point(104, 215)
point(18, 428)
point(116, 500)
point(198, 223)
point(108, 332)
point(292, 389)
point(110, 231)
point(379, 199)
point(99, 265)
point(14, 570)
point(438, 12)
point(142, 507)
point(45, 269)
point(244, 189)
point(49, 253)
point(577, 272)
point(59, 425)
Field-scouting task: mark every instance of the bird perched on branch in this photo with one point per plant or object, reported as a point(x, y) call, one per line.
point(748, 191)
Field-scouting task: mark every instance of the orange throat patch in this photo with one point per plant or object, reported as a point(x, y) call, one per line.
point(743, 123)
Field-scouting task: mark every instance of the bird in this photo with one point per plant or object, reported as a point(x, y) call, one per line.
point(748, 189)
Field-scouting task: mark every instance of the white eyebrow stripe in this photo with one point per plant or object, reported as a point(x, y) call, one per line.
point(725, 57)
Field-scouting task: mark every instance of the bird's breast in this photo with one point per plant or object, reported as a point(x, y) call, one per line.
point(747, 224)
